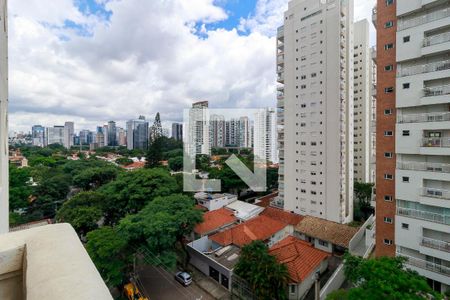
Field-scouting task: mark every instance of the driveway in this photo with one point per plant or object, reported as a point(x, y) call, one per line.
point(159, 284)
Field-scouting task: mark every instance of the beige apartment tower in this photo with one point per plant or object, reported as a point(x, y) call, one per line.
point(315, 109)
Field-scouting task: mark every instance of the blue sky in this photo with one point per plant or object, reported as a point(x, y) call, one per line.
point(236, 9)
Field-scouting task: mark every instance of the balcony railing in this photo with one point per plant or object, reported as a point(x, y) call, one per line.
point(425, 68)
point(280, 31)
point(423, 19)
point(435, 193)
point(436, 142)
point(425, 117)
point(423, 215)
point(423, 166)
point(423, 264)
point(436, 39)
point(435, 244)
point(437, 91)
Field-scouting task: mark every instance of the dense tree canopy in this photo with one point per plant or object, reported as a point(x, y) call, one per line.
point(176, 163)
point(92, 178)
point(267, 278)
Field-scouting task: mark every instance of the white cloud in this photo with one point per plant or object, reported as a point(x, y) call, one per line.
point(146, 58)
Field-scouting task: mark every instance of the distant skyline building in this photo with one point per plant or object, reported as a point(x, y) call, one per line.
point(315, 109)
point(112, 134)
point(244, 133)
point(138, 134)
point(38, 135)
point(265, 135)
point(69, 133)
point(197, 136)
point(177, 131)
point(54, 135)
point(217, 131)
point(4, 182)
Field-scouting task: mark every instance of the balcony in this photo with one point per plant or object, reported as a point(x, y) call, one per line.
point(423, 118)
point(423, 264)
point(280, 88)
point(374, 16)
point(436, 39)
point(280, 32)
point(435, 244)
point(431, 142)
point(437, 91)
point(280, 59)
point(425, 68)
point(423, 19)
point(435, 193)
point(423, 166)
point(423, 215)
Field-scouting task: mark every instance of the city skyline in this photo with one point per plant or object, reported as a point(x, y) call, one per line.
point(249, 28)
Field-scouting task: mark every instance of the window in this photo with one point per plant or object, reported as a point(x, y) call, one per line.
point(406, 86)
point(388, 133)
point(292, 288)
point(388, 90)
point(388, 154)
point(405, 179)
point(388, 176)
point(388, 220)
point(406, 39)
point(388, 198)
point(405, 132)
point(323, 243)
point(389, 2)
point(389, 46)
point(388, 111)
point(405, 226)
point(388, 68)
point(388, 24)
point(387, 242)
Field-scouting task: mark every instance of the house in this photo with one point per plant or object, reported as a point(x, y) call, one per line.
point(303, 261)
point(244, 211)
point(214, 221)
point(214, 201)
point(266, 200)
point(325, 235)
point(134, 166)
point(290, 219)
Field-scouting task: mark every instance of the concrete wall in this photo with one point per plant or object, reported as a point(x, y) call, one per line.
point(4, 185)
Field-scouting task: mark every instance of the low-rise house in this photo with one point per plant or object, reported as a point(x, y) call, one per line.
point(214, 221)
point(134, 166)
point(244, 211)
point(303, 261)
point(325, 235)
point(290, 219)
point(214, 201)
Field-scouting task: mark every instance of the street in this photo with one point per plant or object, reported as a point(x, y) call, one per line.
point(160, 284)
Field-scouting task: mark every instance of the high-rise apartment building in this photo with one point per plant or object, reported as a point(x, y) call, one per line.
point(69, 133)
point(362, 103)
point(197, 137)
point(244, 133)
point(413, 135)
point(121, 136)
point(217, 131)
point(38, 135)
point(265, 135)
point(232, 130)
point(4, 184)
point(112, 134)
point(138, 134)
point(54, 135)
point(315, 105)
point(177, 131)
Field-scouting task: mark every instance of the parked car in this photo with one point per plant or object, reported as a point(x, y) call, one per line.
point(184, 278)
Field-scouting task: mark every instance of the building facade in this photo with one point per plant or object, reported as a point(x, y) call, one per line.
point(265, 135)
point(413, 99)
point(38, 135)
point(137, 134)
point(69, 133)
point(197, 138)
point(177, 131)
point(315, 108)
point(4, 183)
point(112, 134)
point(54, 135)
point(362, 103)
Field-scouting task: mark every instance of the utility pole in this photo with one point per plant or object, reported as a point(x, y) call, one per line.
point(317, 286)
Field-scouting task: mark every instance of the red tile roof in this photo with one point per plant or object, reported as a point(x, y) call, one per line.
point(282, 216)
point(265, 200)
point(135, 165)
point(213, 220)
point(300, 257)
point(259, 228)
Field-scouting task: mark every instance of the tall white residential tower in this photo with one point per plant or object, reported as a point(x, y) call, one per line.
point(315, 107)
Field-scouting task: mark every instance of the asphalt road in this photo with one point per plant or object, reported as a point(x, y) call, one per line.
point(161, 285)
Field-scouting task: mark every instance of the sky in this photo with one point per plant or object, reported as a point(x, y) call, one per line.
point(91, 61)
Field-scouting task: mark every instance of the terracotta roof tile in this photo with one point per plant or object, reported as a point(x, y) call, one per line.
point(259, 228)
point(300, 257)
point(265, 201)
point(338, 234)
point(213, 220)
point(282, 216)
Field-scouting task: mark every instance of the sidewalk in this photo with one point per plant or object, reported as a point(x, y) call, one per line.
point(210, 286)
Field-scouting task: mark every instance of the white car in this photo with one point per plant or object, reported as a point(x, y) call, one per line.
point(184, 278)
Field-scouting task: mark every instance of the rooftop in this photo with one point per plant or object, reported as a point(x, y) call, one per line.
point(243, 210)
point(211, 196)
point(259, 228)
point(229, 257)
point(300, 257)
point(265, 200)
point(335, 233)
point(282, 216)
point(213, 220)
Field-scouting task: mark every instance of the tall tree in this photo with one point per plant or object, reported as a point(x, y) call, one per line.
point(154, 154)
point(156, 129)
point(267, 278)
